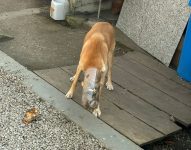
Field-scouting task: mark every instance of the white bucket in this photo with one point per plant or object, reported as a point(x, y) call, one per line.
point(59, 9)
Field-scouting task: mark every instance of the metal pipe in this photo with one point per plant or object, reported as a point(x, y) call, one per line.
point(99, 9)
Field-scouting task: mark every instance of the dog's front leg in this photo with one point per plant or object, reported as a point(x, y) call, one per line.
point(73, 86)
point(97, 112)
point(109, 74)
point(72, 78)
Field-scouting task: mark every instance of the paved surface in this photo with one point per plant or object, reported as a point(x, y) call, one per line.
point(39, 42)
point(8, 5)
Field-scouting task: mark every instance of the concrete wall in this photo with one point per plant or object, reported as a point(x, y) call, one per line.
point(90, 5)
point(155, 25)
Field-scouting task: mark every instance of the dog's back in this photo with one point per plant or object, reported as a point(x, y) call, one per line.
point(105, 29)
point(98, 41)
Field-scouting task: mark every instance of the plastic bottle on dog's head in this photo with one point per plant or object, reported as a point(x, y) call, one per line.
point(91, 87)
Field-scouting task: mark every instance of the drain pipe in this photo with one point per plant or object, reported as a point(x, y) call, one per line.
point(99, 9)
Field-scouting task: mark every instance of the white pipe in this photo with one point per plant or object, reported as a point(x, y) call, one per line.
point(99, 9)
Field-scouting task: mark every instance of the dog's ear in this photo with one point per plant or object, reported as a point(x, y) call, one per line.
point(82, 83)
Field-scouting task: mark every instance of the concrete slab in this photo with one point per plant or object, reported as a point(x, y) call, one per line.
point(23, 12)
point(9, 5)
point(155, 26)
point(40, 42)
point(111, 138)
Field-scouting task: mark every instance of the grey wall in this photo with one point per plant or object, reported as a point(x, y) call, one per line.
point(90, 5)
point(155, 25)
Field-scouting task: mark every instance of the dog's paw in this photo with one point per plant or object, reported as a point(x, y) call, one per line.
point(69, 94)
point(72, 78)
point(109, 86)
point(97, 112)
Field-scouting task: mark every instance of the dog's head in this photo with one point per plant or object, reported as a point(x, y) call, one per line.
point(91, 88)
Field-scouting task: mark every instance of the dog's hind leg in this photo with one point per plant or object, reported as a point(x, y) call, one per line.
point(73, 86)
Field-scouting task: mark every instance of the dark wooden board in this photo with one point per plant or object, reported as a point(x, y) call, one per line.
point(151, 95)
point(125, 123)
point(137, 107)
point(158, 67)
point(156, 80)
point(141, 110)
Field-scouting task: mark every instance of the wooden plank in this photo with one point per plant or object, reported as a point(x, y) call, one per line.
point(122, 121)
point(158, 81)
point(141, 109)
point(153, 96)
point(70, 69)
point(128, 125)
point(158, 67)
point(137, 107)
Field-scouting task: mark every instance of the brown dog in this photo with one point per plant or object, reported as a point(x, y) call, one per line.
point(95, 61)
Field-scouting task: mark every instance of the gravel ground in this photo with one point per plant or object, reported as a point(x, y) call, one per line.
point(51, 130)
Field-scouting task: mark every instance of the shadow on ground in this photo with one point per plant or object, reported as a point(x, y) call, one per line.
point(178, 141)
